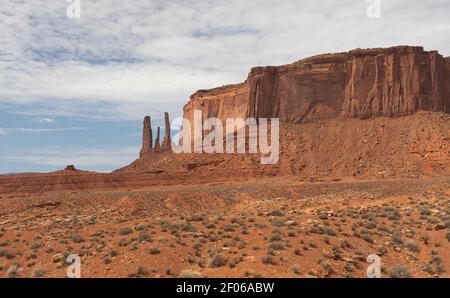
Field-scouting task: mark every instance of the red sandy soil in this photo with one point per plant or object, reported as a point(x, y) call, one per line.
point(269, 227)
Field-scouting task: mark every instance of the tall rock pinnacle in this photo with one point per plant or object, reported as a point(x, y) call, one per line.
point(167, 141)
point(157, 141)
point(147, 137)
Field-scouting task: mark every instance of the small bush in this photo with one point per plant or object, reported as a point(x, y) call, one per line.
point(268, 260)
point(144, 237)
point(113, 253)
point(125, 231)
point(277, 245)
point(77, 238)
point(276, 237)
point(326, 267)
point(196, 217)
point(275, 213)
point(189, 228)
point(154, 251)
point(397, 238)
point(367, 238)
point(190, 274)
point(425, 211)
point(13, 271)
point(412, 246)
point(296, 269)
point(38, 272)
point(217, 261)
point(400, 272)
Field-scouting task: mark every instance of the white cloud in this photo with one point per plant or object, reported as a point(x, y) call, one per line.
point(4, 131)
point(45, 120)
point(146, 52)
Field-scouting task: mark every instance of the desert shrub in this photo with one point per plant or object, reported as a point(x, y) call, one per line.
point(125, 231)
point(394, 215)
point(323, 216)
point(397, 238)
point(142, 272)
point(36, 245)
point(196, 217)
point(123, 242)
point(323, 230)
point(38, 272)
point(412, 246)
point(190, 274)
point(276, 245)
point(13, 271)
point(228, 228)
point(276, 237)
point(276, 213)
point(154, 251)
point(326, 267)
point(210, 226)
point(278, 222)
point(268, 260)
point(189, 228)
point(329, 231)
point(448, 236)
point(367, 237)
point(400, 272)
point(217, 261)
point(344, 244)
point(312, 244)
point(144, 237)
point(7, 255)
point(77, 238)
point(296, 269)
point(348, 267)
point(425, 211)
point(360, 252)
point(197, 252)
point(425, 239)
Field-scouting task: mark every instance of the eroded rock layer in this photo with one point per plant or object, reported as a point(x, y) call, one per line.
point(388, 82)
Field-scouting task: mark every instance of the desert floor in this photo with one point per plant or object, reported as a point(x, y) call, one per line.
point(279, 227)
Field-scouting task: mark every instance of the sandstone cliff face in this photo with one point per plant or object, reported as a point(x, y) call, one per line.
point(388, 82)
point(447, 81)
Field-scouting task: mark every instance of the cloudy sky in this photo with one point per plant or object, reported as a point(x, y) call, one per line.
point(75, 90)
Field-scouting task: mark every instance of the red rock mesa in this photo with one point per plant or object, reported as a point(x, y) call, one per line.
point(389, 82)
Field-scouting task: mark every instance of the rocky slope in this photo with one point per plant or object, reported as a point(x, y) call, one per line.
point(412, 146)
